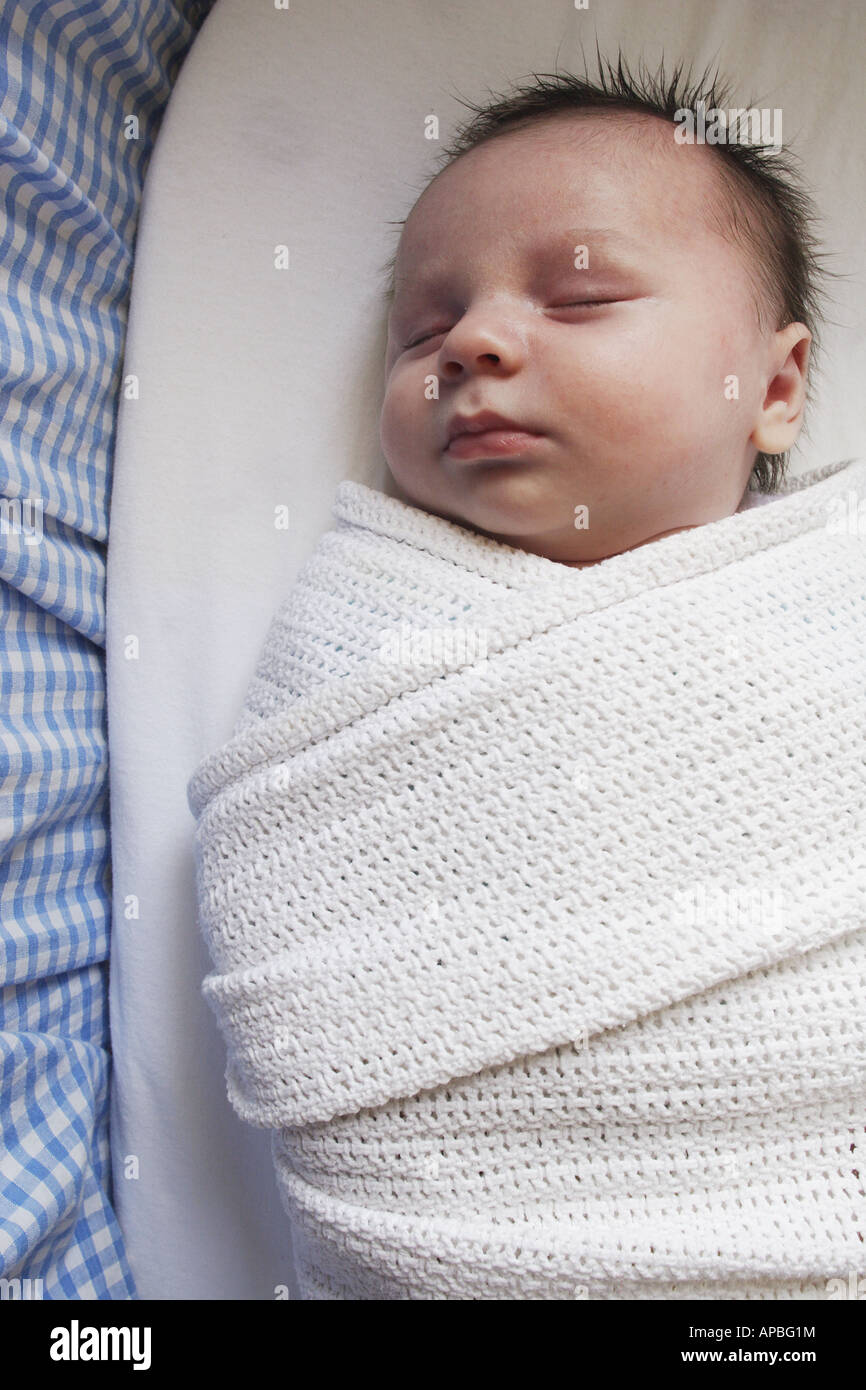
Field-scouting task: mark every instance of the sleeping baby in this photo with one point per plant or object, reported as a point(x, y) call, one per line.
point(533, 874)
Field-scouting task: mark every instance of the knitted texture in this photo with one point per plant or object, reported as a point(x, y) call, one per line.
point(536, 899)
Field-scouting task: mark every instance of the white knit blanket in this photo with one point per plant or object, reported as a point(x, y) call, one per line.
point(536, 898)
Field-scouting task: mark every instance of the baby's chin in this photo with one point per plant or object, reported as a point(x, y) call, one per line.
point(541, 529)
point(507, 499)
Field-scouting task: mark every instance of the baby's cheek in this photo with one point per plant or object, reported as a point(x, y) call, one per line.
point(402, 417)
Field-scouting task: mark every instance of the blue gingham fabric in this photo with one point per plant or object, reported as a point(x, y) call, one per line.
point(83, 86)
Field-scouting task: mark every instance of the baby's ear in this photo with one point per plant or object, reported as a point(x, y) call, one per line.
point(780, 417)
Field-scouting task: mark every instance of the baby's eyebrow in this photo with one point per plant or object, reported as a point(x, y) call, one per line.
point(603, 234)
point(609, 244)
point(596, 239)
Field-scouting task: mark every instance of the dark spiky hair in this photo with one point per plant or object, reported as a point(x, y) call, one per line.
point(763, 206)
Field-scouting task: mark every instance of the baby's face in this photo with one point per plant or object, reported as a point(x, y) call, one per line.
point(618, 370)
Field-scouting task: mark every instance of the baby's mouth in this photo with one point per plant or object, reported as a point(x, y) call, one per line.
point(488, 435)
point(495, 444)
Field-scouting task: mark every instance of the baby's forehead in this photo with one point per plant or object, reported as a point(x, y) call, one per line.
point(624, 176)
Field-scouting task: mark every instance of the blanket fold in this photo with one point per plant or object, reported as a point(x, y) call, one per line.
point(537, 905)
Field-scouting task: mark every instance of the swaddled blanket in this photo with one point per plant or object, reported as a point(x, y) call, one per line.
point(536, 898)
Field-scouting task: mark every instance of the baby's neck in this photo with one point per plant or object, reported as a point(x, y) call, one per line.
point(583, 564)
